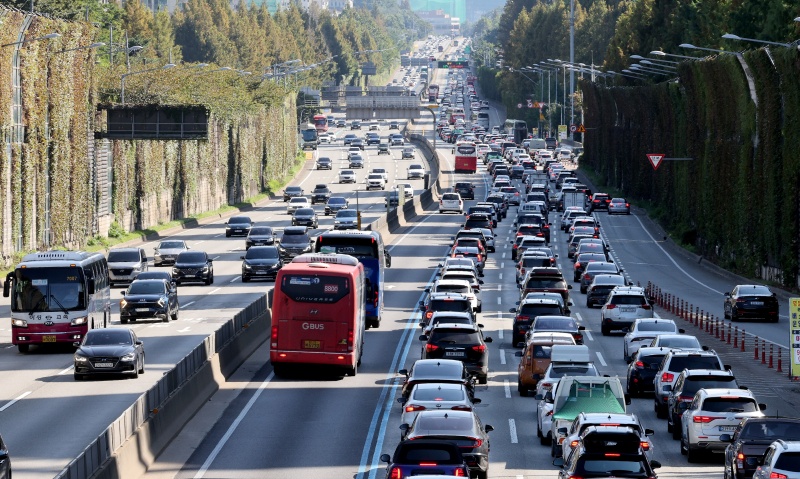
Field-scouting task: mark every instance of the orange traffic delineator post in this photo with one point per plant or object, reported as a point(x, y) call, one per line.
point(755, 351)
point(744, 333)
point(763, 351)
point(729, 333)
point(770, 356)
point(736, 337)
point(780, 360)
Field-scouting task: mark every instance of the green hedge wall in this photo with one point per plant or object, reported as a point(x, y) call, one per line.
point(737, 201)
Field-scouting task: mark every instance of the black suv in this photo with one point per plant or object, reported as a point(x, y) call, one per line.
point(373, 139)
point(478, 220)
point(459, 341)
point(238, 225)
point(320, 194)
point(596, 457)
point(193, 266)
point(599, 201)
point(642, 370)
point(260, 236)
point(324, 163)
point(466, 190)
point(750, 441)
point(261, 262)
point(414, 458)
point(149, 298)
point(295, 241)
point(686, 386)
point(500, 202)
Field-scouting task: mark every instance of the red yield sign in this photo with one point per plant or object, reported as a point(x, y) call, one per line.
point(655, 159)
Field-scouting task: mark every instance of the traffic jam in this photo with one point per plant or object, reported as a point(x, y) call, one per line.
point(583, 418)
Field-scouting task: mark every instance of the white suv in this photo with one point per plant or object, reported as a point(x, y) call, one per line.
point(623, 306)
point(780, 460)
point(673, 363)
point(451, 202)
point(714, 412)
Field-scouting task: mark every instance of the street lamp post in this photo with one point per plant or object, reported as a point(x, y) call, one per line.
point(49, 36)
point(126, 75)
point(693, 47)
point(672, 55)
point(731, 36)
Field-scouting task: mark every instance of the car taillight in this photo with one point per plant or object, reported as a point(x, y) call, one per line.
point(520, 317)
point(375, 301)
point(740, 300)
point(575, 477)
point(645, 445)
point(460, 473)
point(396, 473)
point(704, 419)
point(414, 408)
point(627, 205)
point(476, 442)
point(645, 306)
point(549, 413)
point(350, 339)
point(685, 398)
point(776, 475)
point(461, 407)
point(611, 306)
point(574, 444)
point(431, 347)
point(587, 276)
point(547, 386)
point(639, 365)
point(479, 348)
point(667, 378)
point(740, 460)
point(577, 264)
point(274, 336)
point(428, 314)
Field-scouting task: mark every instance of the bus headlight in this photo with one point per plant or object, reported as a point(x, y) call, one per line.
point(20, 323)
point(79, 321)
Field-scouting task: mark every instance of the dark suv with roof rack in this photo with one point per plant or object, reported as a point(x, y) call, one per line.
point(464, 342)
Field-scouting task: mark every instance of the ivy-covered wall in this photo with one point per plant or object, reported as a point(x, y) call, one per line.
point(737, 202)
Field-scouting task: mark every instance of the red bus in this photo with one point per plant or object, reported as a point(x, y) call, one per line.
point(320, 123)
point(433, 92)
point(466, 157)
point(318, 313)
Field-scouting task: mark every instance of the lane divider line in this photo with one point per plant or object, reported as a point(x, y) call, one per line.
point(14, 401)
point(600, 358)
point(512, 430)
point(507, 388)
point(502, 356)
point(67, 370)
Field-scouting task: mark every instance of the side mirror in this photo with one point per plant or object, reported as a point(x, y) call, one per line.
point(655, 464)
point(627, 399)
point(762, 406)
point(558, 462)
point(725, 438)
point(562, 431)
point(423, 337)
point(405, 427)
point(518, 354)
point(427, 290)
point(480, 281)
point(681, 331)
point(481, 325)
point(569, 286)
point(404, 372)
point(385, 458)
point(727, 295)
point(667, 388)
point(548, 397)
point(727, 367)
point(488, 339)
point(76, 344)
point(122, 293)
point(422, 304)
point(241, 257)
point(538, 397)
point(581, 328)
point(649, 432)
point(744, 388)
point(705, 348)
point(512, 310)
point(683, 406)
point(488, 428)
point(476, 401)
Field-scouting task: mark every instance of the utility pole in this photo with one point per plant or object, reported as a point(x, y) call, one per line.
point(571, 62)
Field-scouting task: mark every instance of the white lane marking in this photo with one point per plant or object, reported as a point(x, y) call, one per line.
point(507, 388)
point(188, 304)
point(504, 255)
point(588, 334)
point(500, 333)
point(498, 301)
point(502, 265)
point(66, 371)
point(499, 287)
point(215, 258)
point(502, 356)
point(215, 290)
point(672, 260)
point(217, 236)
point(600, 358)
point(200, 242)
point(13, 401)
point(184, 330)
point(578, 316)
point(234, 279)
point(512, 429)
point(202, 471)
point(501, 275)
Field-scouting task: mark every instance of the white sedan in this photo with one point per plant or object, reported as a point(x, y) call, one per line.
point(408, 190)
point(347, 176)
point(415, 171)
point(643, 331)
point(435, 396)
point(296, 203)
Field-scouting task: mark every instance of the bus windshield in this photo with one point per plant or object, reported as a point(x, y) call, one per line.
point(315, 289)
point(465, 150)
point(309, 135)
point(320, 121)
point(357, 248)
point(48, 289)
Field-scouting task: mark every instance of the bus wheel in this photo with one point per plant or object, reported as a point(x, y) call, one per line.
point(23, 348)
point(352, 371)
point(279, 369)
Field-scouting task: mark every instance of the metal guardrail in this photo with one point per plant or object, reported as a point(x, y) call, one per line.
point(102, 448)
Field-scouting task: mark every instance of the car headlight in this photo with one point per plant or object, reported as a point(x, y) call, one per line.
point(281, 248)
point(80, 359)
point(307, 248)
point(162, 302)
point(128, 357)
point(78, 321)
point(137, 268)
point(122, 304)
point(205, 268)
point(20, 323)
point(246, 266)
point(337, 222)
point(175, 270)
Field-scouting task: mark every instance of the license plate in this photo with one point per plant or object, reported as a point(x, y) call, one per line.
point(727, 428)
point(237, 231)
point(454, 354)
point(757, 303)
point(142, 310)
point(309, 344)
point(49, 339)
point(104, 365)
point(627, 310)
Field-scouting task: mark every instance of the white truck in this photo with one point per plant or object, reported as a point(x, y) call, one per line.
point(571, 197)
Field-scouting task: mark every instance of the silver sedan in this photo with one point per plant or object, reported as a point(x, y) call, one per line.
point(619, 206)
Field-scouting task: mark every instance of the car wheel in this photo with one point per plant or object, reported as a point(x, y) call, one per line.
point(661, 411)
point(483, 379)
point(588, 303)
point(166, 317)
point(521, 390)
point(583, 290)
point(227, 235)
point(210, 280)
point(123, 321)
point(135, 371)
point(676, 429)
point(734, 316)
point(725, 314)
point(175, 314)
point(604, 330)
point(683, 447)
point(245, 279)
point(352, 371)
point(692, 455)
point(78, 377)
point(483, 474)
point(670, 428)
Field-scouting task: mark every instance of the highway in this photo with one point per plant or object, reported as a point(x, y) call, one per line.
point(259, 426)
point(318, 427)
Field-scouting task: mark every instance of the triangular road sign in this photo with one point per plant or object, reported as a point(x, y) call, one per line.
point(581, 128)
point(655, 159)
point(536, 104)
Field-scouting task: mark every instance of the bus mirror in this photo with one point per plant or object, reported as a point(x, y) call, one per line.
point(90, 286)
point(6, 287)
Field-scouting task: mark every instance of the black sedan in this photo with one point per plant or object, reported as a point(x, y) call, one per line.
point(416, 458)
point(461, 427)
point(292, 192)
point(335, 203)
point(751, 301)
point(260, 236)
point(109, 351)
point(238, 226)
point(193, 266)
point(464, 342)
point(305, 217)
point(149, 298)
point(642, 370)
point(261, 262)
point(320, 194)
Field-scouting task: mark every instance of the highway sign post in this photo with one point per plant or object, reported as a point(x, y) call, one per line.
point(794, 335)
point(562, 132)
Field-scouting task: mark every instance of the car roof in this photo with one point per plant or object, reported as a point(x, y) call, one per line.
point(721, 392)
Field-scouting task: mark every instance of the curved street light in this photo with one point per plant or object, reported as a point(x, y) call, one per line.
point(731, 36)
point(662, 54)
point(49, 36)
point(694, 47)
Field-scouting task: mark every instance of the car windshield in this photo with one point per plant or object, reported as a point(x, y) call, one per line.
point(653, 361)
point(771, 430)
point(108, 337)
point(304, 212)
point(453, 423)
point(755, 291)
point(545, 283)
point(451, 305)
point(692, 384)
point(347, 172)
point(172, 245)
point(625, 299)
point(729, 404)
point(438, 394)
point(336, 200)
point(124, 256)
point(295, 239)
point(533, 310)
point(261, 232)
point(294, 189)
point(192, 257)
point(788, 461)
point(572, 370)
point(239, 220)
point(438, 369)
point(553, 324)
point(598, 267)
point(679, 342)
point(679, 363)
point(146, 287)
point(607, 465)
point(298, 201)
point(347, 214)
point(261, 253)
point(653, 326)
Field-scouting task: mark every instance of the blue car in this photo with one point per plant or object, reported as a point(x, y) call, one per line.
point(418, 457)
